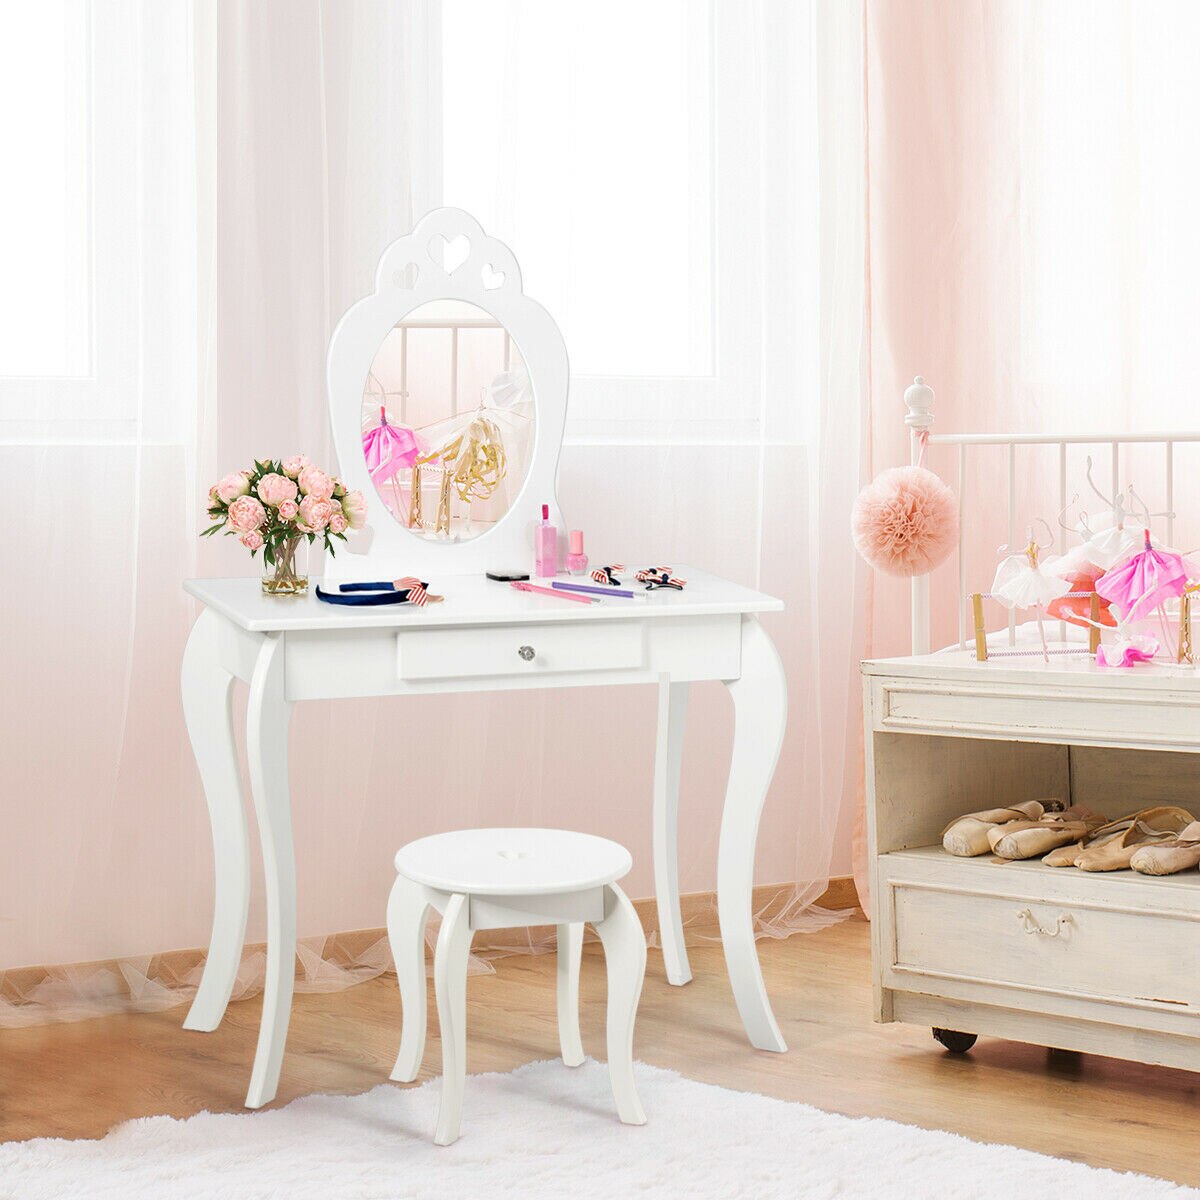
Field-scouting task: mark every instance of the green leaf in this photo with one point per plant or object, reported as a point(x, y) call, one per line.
point(268, 556)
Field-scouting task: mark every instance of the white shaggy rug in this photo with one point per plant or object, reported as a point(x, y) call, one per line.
point(547, 1132)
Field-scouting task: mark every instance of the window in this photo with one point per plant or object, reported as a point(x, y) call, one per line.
point(98, 221)
point(591, 152)
point(592, 149)
point(45, 308)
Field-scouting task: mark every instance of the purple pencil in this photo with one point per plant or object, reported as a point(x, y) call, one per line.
point(597, 591)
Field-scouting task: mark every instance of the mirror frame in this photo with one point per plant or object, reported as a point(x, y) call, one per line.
point(489, 278)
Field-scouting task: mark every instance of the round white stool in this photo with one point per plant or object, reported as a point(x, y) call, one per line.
point(493, 879)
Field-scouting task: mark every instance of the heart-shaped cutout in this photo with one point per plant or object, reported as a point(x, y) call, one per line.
point(449, 253)
point(492, 279)
point(406, 277)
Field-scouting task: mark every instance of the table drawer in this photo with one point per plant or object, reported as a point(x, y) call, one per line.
point(1016, 712)
point(1102, 952)
point(520, 650)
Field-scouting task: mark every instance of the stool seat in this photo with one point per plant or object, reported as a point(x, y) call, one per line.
point(513, 862)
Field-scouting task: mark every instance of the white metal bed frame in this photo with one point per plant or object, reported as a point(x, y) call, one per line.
point(454, 325)
point(918, 401)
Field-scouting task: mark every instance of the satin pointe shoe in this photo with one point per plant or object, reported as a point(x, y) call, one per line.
point(967, 836)
point(1141, 828)
point(1166, 858)
point(1032, 839)
point(1065, 856)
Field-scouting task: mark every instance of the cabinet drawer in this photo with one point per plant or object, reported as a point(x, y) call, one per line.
point(1010, 711)
point(520, 650)
point(1088, 951)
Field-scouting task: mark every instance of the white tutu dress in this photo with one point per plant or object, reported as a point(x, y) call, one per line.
point(1021, 581)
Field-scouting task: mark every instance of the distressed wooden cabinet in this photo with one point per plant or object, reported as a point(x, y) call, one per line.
point(1106, 963)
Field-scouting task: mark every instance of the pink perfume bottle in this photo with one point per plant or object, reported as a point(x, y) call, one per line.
point(576, 559)
point(545, 546)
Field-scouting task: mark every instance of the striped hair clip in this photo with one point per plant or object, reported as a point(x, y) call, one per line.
point(660, 577)
point(608, 574)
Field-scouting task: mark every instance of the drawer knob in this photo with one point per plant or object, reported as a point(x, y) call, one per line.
point(526, 652)
point(1031, 925)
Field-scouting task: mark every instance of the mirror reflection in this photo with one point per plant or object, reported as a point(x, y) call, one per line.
point(447, 421)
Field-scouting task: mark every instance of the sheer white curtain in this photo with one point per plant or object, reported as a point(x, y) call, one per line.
point(689, 204)
point(225, 179)
point(710, 290)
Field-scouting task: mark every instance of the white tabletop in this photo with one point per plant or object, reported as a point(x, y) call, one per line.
point(472, 600)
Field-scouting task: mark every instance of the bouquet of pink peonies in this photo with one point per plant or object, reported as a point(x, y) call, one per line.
point(279, 504)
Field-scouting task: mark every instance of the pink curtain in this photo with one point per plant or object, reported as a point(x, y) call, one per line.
point(1033, 252)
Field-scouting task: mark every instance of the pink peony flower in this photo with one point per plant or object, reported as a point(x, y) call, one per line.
point(275, 489)
point(355, 508)
point(315, 483)
point(315, 513)
point(252, 540)
point(245, 514)
point(294, 465)
point(288, 510)
point(337, 523)
point(233, 486)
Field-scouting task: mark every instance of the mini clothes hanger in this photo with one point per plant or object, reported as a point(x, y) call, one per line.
point(1103, 548)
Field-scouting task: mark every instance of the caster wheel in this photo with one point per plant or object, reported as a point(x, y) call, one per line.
point(955, 1042)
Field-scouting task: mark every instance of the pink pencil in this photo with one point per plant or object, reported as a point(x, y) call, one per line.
point(541, 591)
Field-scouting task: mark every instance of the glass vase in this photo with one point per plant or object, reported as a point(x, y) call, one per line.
point(289, 574)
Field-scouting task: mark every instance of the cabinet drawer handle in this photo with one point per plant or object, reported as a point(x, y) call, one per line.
point(1030, 924)
point(526, 652)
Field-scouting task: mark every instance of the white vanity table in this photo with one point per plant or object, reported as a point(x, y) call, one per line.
point(484, 636)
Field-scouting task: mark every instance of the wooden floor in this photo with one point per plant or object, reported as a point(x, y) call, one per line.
point(78, 1080)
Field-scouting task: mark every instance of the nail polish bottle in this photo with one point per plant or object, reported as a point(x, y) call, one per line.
point(545, 546)
point(576, 559)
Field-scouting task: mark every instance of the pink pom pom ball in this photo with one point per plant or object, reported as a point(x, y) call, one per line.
point(905, 521)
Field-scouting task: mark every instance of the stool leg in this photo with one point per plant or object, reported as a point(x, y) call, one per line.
point(450, 985)
point(570, 952)
point(407, 915)
point(625, 957)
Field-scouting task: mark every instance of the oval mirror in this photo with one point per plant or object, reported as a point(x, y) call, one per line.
point(448, 421)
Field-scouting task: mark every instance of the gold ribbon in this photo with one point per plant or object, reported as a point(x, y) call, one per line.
point(475, 460)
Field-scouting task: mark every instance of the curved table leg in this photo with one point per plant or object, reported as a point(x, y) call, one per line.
point(407, 916)
point(570, 952)
point(450, 988)
point(625, 959)
point(267, 716)
point(760, 717)
point(668, 756)
point(208, 710)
